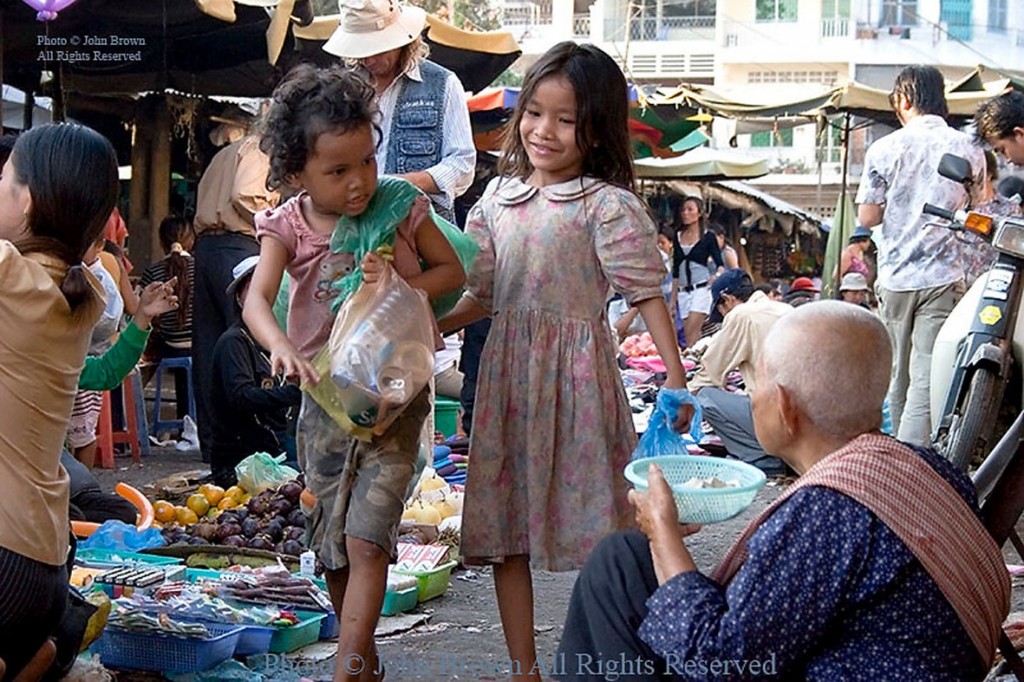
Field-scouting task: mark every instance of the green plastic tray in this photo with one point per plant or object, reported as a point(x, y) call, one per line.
point(306, 631)
point(433, 583)
point(399, 602)
point(107, 557)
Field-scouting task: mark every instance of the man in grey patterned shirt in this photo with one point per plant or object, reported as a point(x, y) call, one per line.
point(920, 272)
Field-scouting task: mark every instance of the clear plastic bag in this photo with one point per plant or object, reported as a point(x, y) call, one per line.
point(660, 438)
point(260, 471)
point(379, 356)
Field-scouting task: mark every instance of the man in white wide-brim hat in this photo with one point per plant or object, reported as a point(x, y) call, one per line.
point(424, 118)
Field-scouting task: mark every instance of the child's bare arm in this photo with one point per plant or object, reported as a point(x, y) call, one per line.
point(659, 324)
point(466, 312)
point(259, 316)
point(128, 295)
point(444, 272)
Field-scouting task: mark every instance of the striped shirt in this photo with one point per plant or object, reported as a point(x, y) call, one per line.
point(167, 327)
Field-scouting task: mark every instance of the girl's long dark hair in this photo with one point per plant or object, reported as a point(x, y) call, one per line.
point(71, 174)
point(173, 229)
point(602, 110)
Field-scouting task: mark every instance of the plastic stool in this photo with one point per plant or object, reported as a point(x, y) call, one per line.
point(158, 424)
point(135, 434)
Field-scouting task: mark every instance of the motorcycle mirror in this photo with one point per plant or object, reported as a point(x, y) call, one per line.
point(955, 168)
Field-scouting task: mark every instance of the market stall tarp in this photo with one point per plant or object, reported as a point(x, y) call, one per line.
point(855, 98)
point(703, 163)
point(212, 47)
point(763, 210)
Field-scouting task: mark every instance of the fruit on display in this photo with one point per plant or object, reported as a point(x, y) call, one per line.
point(433, 483)
point(213, 493)
point(163, 511)
point(422, 512)
point(185, 516)
point(271, 521)
point(198, 503)
point(444, 508)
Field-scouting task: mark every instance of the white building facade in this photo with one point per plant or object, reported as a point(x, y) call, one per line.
point(782, 49)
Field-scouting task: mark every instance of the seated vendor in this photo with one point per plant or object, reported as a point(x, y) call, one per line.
point(747, 315)
point(249, 405)
point(857, 571)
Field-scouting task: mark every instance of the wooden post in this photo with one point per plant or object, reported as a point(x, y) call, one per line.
point(139, 227)
point(27, 111)
point(159, 176)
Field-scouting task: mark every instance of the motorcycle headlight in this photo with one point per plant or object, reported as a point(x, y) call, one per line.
point(1009, 237)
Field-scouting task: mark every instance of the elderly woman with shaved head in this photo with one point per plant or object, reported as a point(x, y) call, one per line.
point(873, 565)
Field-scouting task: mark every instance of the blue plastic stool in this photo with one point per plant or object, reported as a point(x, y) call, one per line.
point(158, 424)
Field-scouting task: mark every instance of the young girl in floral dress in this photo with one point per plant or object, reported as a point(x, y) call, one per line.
point(552, 430)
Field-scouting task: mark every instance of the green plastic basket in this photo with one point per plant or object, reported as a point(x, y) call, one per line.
point(306, 631)
point(702, 505)
point(400, 602)
point(430, 584)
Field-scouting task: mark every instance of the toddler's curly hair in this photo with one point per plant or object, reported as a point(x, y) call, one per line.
point(307, 103)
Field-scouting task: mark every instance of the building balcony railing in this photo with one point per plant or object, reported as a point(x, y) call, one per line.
point(528, 13)
point(581, 26)
point(672, 28)
point(836, 27)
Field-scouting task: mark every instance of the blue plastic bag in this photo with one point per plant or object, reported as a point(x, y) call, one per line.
point(660, 438)
point(118, 536)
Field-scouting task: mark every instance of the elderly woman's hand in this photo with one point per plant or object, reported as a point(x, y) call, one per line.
point(658, 518)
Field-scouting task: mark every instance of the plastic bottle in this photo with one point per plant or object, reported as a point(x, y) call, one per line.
point(406, 372)
point(307, 563)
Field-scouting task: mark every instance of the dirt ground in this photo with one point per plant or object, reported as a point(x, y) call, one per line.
point(461, 638)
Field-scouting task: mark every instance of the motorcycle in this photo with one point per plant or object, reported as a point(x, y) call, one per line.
point(975, 349)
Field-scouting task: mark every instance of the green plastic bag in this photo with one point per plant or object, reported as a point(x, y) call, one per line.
point(466, 249)
point(260, 472)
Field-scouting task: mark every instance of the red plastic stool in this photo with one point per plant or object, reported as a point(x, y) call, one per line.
point(107, 437)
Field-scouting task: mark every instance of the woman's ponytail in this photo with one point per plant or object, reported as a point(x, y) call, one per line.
point(76, 286)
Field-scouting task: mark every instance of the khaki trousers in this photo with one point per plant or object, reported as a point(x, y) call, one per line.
point(913, 319)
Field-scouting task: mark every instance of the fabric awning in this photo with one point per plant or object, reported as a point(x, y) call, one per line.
point(703, 164)
point(764, 210)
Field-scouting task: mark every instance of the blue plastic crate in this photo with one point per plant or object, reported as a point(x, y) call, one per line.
point(254, 639)
point(164, 653)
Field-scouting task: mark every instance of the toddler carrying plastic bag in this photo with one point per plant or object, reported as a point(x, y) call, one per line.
point(379, 356)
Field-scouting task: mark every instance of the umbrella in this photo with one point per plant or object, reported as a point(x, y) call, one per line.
point(206, 47)
point(654, 129)
point(703, 164)
point(843, 225)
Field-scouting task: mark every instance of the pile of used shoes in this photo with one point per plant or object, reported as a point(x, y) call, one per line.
point(451, 460)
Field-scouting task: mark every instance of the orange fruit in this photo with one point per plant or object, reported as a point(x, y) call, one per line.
point(163, 511)
point(227, 503)
point(213, 493)
point(198, 503)
point(185, 516)
point(235, 492)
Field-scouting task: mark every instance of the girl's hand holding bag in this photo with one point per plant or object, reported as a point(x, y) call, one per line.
point(378, 358)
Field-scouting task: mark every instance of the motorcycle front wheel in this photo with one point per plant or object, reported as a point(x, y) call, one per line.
point(970, 431)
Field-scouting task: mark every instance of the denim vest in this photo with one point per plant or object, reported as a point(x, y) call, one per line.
point(417, 130)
